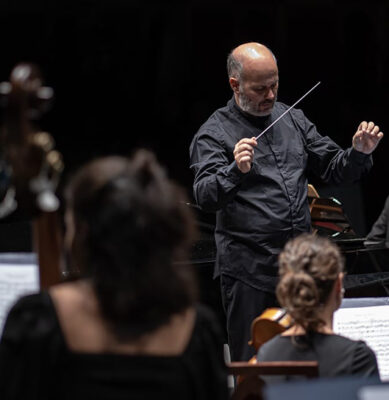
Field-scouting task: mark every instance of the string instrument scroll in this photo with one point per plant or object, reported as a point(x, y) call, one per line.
point(30, 166)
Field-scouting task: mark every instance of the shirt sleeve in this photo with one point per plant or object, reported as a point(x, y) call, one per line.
point(217, 179)
point(28, 349)
point(364, 361)
point(330, 162)
point(379, 230)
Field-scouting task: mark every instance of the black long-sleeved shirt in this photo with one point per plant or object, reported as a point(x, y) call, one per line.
point(379, 234)
point(257, 212)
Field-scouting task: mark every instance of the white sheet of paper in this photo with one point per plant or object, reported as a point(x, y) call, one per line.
point(374, 393)
point(16, 280)
point(370, 324)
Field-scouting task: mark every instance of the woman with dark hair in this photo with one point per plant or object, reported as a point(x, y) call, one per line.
point(129, 327)
point(311, 290)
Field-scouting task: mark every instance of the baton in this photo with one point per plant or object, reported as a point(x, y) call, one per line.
point(285, 112)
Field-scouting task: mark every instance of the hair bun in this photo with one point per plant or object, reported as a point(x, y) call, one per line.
point(309, 265)
point(301, 289)
point(146, 168)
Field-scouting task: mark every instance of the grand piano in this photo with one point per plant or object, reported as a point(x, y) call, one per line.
point(367, 265)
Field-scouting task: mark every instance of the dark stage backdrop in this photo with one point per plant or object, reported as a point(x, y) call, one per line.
point(148, 73)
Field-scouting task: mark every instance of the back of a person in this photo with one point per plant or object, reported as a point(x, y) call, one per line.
point(311, 290)
point(197, 372)
point(336, 355)
point(42, 359)
point(192, 375)
point(102, 377)
point(129, 326)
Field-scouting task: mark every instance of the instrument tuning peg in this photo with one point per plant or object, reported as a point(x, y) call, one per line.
point(5, 88)
point(47, 201)
point(45, 93)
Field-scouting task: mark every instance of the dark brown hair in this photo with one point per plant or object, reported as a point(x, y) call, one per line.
point(131, 226)
point(308, 267)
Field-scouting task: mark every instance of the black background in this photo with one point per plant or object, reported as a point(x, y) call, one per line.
point(139, 73)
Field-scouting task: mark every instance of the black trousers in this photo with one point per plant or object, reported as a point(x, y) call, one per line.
point(242, 303)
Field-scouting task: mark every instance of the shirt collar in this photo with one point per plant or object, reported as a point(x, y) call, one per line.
point(256, 121)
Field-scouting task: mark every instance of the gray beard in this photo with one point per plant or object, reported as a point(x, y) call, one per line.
point(250, 108)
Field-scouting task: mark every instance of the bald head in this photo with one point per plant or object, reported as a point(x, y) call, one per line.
point(253, 76)
point(249, 55)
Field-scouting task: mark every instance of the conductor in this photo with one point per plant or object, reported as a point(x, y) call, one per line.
point(258, 188)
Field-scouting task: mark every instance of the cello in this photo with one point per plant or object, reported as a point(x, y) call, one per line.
point(270, 323)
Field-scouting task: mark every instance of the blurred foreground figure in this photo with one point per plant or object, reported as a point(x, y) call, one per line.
point(129, 327)
point(311, 290)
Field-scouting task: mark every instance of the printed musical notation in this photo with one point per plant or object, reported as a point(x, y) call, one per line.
point(17, 278)
point(370, 324)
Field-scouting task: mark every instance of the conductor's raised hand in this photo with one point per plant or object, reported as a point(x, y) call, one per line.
point(367, 137)
point(244, 153)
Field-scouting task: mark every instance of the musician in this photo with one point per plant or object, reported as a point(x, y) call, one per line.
point(129, 328)
point(379, 234)
point(258, 188)
point(311, 290)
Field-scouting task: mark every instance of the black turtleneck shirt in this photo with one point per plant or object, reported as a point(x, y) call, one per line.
point(257, 212)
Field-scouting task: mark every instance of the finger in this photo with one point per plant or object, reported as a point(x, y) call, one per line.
point(245, 146)
point(370, 126)
point(244, 160)
point(375, 130)
point(362, 126)
point(378, 137)
point(245, 154)
point(239, 151)
point(358, 134)
point(243, 149)
point(250, 141)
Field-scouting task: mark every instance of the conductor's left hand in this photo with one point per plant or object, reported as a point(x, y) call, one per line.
point(367, 137)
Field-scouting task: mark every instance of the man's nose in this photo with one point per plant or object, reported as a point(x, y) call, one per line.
point(270, 94)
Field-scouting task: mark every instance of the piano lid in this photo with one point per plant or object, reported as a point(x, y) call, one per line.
point(330, 220)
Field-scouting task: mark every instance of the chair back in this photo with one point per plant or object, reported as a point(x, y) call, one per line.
point(251, 387)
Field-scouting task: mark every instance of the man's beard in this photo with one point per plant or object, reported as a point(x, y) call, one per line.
point(251, 107)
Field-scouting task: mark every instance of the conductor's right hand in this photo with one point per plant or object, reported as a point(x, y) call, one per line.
point(244, 153)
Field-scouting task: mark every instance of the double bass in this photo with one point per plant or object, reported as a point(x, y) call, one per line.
point(30, 166)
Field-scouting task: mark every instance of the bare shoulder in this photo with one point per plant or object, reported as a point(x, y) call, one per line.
point(85, 330)
point(78, 315)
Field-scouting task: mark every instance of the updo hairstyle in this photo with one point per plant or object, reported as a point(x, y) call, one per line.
point(308, 267)
point(131, 227)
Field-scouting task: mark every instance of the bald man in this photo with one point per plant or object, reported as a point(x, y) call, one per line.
point(259, 188)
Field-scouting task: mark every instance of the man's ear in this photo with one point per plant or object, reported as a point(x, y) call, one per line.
point(234, 83)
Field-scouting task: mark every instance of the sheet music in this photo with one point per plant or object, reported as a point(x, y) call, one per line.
point(370, 324)
point(19, 276)
point(379, 392)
